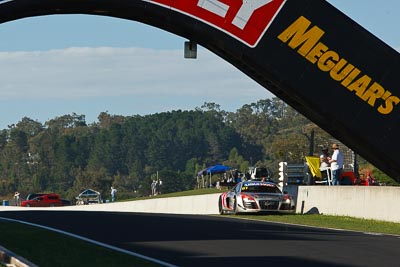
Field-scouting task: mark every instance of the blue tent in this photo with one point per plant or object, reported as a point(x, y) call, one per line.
point(218, 169)
point(214, 169)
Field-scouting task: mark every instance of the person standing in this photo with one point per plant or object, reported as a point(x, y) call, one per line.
point(337, 162)
point(160, 183)
point(218, 185)
point(16, 198)
point(113, 194)
point(153, 188)
point(325, 165)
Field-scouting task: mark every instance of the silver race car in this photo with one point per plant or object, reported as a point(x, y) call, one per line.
point(255, 196)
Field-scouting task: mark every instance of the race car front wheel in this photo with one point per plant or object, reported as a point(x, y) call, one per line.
point(235, 207)
point(221, 209)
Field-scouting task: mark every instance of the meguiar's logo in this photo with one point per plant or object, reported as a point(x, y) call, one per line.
point(306, 40)
point(245, 20)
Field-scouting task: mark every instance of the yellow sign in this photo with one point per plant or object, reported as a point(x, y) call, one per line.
point(313, 165)
point(307, 42)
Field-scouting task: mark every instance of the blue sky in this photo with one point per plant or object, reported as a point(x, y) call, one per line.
point(60, 64)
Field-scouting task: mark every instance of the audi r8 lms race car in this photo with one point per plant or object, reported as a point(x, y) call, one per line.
point(255, 196)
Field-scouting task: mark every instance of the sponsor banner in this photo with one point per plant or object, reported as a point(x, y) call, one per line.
point(342, 78)
point(306, 39)
point(247, 21)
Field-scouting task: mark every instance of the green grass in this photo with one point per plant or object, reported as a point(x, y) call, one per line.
point(335, 222)
point(46, 248)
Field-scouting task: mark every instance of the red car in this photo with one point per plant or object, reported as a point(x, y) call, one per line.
point(46, 200)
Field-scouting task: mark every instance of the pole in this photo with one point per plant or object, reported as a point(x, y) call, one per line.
point(311, 151)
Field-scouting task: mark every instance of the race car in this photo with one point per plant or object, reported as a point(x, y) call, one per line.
point(255, 196)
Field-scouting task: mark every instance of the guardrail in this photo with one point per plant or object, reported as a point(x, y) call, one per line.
point(11, 259)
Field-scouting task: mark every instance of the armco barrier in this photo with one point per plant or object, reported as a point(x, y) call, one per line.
point(368, 202)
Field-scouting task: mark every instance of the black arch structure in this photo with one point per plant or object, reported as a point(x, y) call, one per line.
point(312, 56)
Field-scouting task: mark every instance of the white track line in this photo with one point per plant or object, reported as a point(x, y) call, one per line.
point(94, 242)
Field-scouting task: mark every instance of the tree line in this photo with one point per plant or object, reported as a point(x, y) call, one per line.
point(66, 155)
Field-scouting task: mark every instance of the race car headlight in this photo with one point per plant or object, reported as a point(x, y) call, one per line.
point(287, 198)
point(248, 198)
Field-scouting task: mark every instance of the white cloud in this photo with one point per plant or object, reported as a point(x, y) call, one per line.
point(80, 72)
point(42, 85)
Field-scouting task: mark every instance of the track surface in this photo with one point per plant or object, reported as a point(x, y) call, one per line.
point(189, 240)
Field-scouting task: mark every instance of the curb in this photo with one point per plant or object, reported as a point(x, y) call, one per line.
point(11, 259)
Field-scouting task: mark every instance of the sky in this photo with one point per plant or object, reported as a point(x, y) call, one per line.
point(63, 64)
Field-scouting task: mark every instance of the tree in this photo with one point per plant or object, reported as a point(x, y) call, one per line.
point(236, 161)
point(291, 148)
point(29, 126)
point(66, 154)
point(66, 121)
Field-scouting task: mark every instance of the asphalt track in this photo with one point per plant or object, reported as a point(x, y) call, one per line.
point(194, 240)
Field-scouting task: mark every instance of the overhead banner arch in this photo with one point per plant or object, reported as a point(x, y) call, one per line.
point(306, 52)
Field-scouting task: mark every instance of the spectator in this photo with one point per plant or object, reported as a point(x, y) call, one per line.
point(324, 164)
point(160, 183)
point(113, 194)
point(370, 179)
point(337, 162)
point(16, 198)
point(154, 188)
point(218, 185)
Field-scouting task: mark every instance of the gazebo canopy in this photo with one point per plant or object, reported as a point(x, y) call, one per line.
point(214, 169)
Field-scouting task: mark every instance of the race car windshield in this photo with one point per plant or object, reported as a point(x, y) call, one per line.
point(260, 189)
